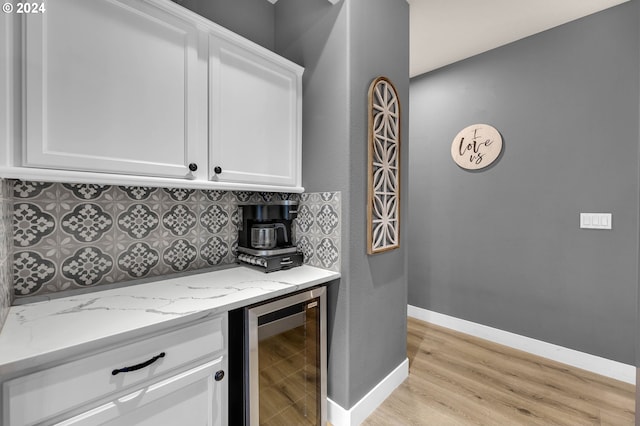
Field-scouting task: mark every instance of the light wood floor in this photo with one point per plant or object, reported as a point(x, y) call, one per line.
point(457, 379)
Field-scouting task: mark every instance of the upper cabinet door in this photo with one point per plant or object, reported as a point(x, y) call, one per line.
point(255, 107)
point(112, 86)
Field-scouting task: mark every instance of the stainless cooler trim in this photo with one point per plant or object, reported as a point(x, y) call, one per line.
point(252, 320)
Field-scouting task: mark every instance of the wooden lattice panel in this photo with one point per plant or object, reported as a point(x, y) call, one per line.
point(383, 204)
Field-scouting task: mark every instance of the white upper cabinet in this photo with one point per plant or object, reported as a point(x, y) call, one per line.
point(146, 92)
point(255, 116)
point(111, 86)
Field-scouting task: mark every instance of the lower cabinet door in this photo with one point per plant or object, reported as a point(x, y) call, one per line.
point(192, 397)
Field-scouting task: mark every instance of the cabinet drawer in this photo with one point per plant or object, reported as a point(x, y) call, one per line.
point(39, 396)
point(191, 397)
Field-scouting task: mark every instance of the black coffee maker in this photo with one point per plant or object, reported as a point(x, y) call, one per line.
point(265, 237)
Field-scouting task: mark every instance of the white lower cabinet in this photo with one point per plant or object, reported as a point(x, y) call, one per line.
point(174, 378)
point(193, 397)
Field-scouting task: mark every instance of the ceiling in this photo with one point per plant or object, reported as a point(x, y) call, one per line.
point(446, 31)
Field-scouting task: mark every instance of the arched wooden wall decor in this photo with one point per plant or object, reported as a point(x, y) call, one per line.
point(383, 203)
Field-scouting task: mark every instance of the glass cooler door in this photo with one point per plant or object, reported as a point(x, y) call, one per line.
point(287, 361)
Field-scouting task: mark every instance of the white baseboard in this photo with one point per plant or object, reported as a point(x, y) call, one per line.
point(603, 366)
point(339, 416)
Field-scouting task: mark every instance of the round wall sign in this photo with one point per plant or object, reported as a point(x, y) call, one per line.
point(476, 146)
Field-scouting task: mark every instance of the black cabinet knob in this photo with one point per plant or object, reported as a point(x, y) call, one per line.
point(193, 167)
point(219, 375)
point(217, 170)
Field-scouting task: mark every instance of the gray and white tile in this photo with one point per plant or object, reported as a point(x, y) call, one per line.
point(6, 249)
point(318, 229)
point(77, 235)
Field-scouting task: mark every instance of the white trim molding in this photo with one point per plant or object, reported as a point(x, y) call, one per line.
point(603, 366)
point(339, 416)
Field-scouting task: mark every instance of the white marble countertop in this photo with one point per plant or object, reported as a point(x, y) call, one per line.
point(39, 333)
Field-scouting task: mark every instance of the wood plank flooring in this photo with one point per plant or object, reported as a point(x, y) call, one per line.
point(457, 379)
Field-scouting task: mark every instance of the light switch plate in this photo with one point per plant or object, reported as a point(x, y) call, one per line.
point(595, 220)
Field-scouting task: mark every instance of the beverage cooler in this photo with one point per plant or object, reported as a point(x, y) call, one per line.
point(277, 362)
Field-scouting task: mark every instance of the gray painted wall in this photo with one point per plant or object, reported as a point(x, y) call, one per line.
point(502, 247)
point(637, 422)
point(253, 19)
point(379, 45)
point(343, 48)
point(313, 33)
point(9, 130)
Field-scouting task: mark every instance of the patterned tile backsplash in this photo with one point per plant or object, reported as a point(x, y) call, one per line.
point(68, 236)
point(318, 228)
point(6, 293)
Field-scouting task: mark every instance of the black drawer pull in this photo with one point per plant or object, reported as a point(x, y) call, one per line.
point(138, 366)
